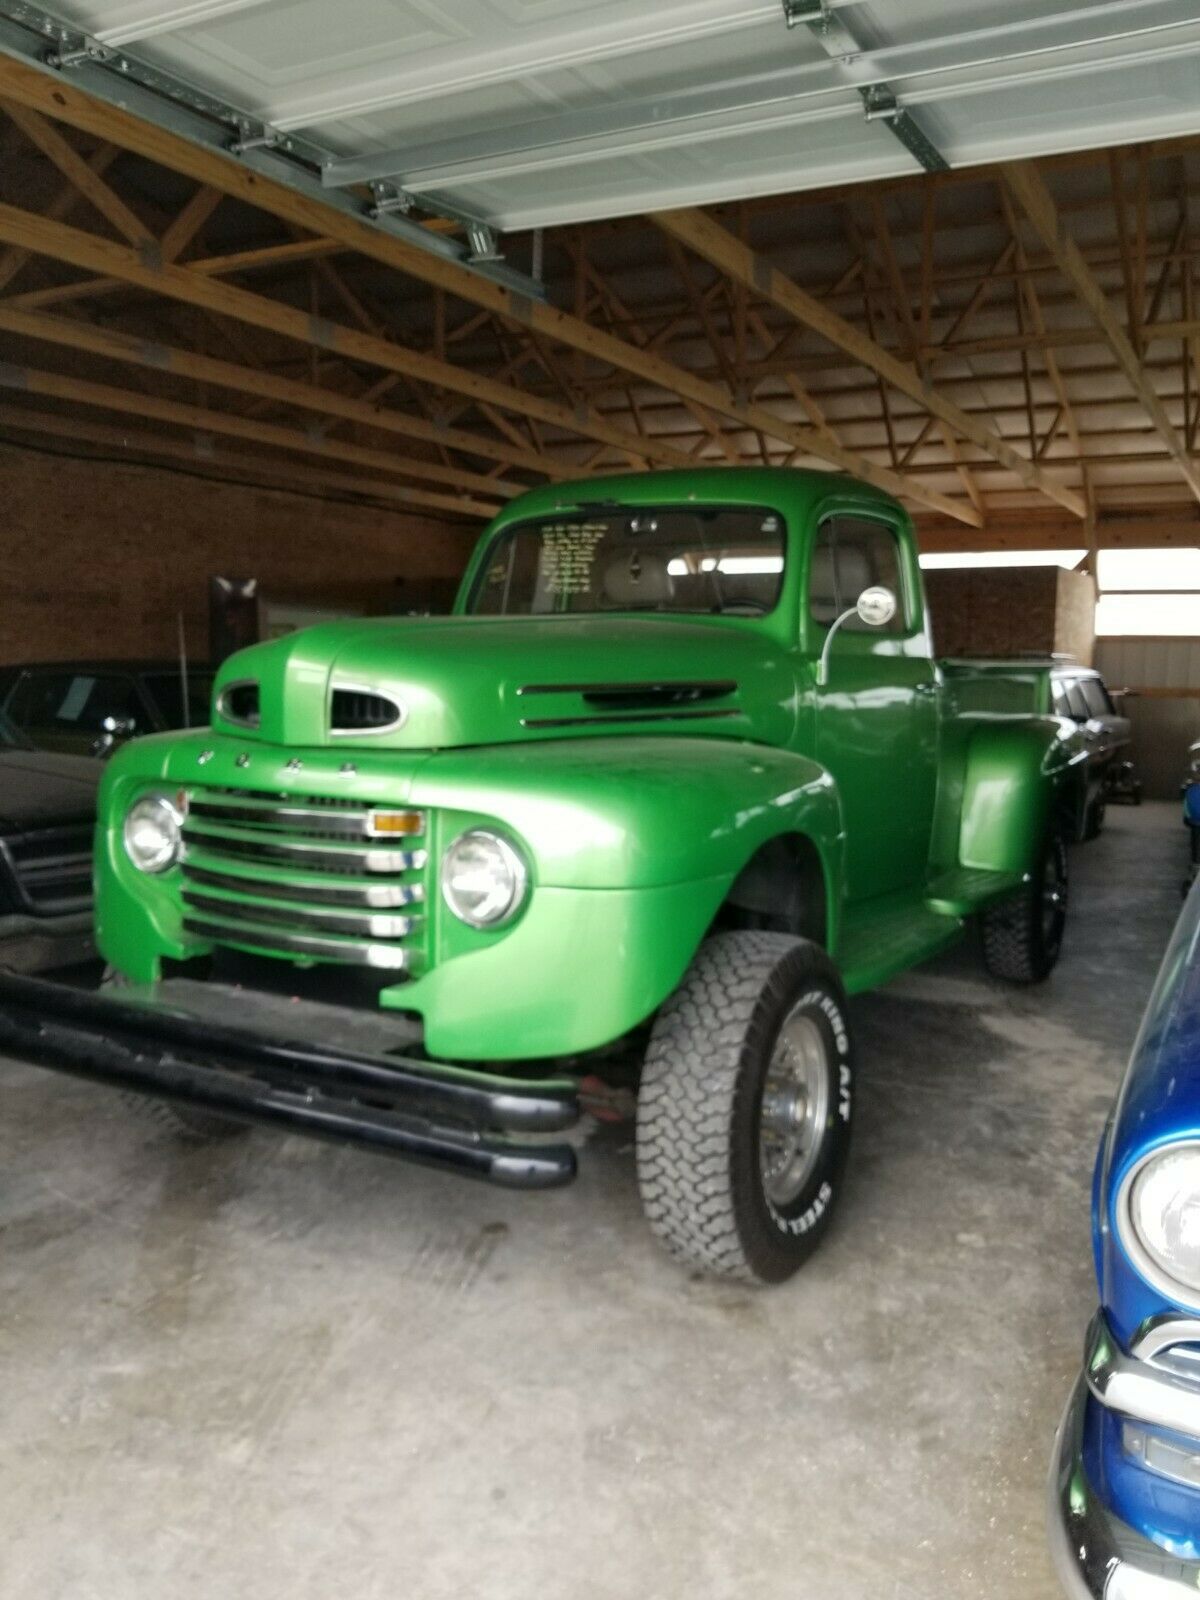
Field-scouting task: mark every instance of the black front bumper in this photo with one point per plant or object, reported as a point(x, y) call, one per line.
point(166, 1042)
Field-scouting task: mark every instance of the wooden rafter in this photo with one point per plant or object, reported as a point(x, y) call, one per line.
point(203, 452)
point(706, 236)
point(1029, 190)
point(64, 202)
point(68, 104)
point(110, 259)
point(105, 199)
point(107, 397)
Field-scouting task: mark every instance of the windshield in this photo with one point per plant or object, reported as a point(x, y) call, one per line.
point(693, 559)
point(10, 739)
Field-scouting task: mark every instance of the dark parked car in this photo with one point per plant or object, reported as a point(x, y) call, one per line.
point(1079, 693)
point(47, 816)
point(87, 708)
point(1125, 1483)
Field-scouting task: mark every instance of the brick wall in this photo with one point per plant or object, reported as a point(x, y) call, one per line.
point(98, 559)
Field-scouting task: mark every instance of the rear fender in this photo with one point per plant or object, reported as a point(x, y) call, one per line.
point(1019, 778)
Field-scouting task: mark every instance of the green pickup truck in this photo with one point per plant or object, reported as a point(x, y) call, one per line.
point(679, 774)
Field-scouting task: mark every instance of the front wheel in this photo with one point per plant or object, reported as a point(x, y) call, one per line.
point(745, 1107)
point(1023, 935)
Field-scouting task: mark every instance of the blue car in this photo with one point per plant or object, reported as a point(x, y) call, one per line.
point(1125, 1482)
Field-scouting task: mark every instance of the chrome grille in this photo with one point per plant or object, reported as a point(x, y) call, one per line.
point(306, 875)
point(51, 868)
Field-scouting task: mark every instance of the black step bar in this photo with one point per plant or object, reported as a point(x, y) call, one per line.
point(440, 1115)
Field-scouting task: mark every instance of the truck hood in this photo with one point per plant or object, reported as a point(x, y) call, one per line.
point(460, 681)
point(37, 788)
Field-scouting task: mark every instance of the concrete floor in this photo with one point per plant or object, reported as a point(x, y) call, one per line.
point(276, 1369)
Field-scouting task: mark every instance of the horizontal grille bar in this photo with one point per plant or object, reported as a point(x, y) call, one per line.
point(327, 856)
point(388, 956)
point(311, 820)
point(370, 924)
point(366, 896)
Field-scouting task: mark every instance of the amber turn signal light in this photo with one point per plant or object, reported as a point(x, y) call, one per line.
point(392, 824)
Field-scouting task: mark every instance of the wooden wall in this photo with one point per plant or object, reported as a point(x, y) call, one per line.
point(98, 558)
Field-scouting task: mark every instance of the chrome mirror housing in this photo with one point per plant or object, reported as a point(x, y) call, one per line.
point(875, 606)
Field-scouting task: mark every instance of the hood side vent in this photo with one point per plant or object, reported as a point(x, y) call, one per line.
point(640, 696)
point(239, 702)
point(355, 710)
point(678, 701)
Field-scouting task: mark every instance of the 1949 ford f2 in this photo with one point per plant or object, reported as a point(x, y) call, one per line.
point(679, 773)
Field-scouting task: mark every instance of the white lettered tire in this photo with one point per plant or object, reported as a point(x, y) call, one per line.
point(745, 1107)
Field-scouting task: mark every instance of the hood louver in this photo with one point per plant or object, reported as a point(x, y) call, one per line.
point(363, 711)
point(636, 702)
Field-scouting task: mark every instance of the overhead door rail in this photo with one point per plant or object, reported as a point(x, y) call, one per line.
point(111, 73)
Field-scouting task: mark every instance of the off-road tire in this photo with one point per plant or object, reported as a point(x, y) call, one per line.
point(1021, 942)
point(183, 1122)
point(700, 1101)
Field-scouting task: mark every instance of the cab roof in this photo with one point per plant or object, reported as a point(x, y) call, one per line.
point(793, 489)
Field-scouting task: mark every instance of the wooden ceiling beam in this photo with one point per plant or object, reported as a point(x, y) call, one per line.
point(727, 253)
point(61, 100)
point(204, 454)
point(109, 259)
point(105, 397)
point(161, 357)
point(46, 137)
point(1029, 190)
point(64, 202)
point(1112, 533)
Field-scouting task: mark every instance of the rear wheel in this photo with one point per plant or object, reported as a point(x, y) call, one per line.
point(745, 1107)
point(1023, 935)
point(187, 1122)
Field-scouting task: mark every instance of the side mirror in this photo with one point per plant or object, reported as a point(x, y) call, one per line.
point(875, 606)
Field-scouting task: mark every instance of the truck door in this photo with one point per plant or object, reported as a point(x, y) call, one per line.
point(877, 716)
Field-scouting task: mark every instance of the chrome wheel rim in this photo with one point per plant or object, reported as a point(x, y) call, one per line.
point(795, 1109)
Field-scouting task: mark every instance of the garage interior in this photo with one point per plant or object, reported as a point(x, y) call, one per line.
point(305, 295)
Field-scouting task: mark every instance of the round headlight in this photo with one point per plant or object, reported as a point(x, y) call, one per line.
point(153, 833)
point(1160, 1216)
point(483, 879)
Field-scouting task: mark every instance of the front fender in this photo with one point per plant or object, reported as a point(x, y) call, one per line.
point(633, 846)
point(640, 812)
point(1016, 774)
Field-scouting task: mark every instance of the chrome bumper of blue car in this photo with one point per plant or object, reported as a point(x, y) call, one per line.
point(1096, 1555)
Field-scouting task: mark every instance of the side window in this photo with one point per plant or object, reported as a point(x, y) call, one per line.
point(1076, 701)
point(56, 703)
point(849, 555)
point(1062, 706)
point(1096, 696)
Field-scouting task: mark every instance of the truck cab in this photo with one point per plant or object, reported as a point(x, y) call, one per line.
point(678, 775)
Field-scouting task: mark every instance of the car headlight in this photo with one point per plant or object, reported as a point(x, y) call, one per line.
point(1159, 1217)
point(153, 833)
point(483, 879)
